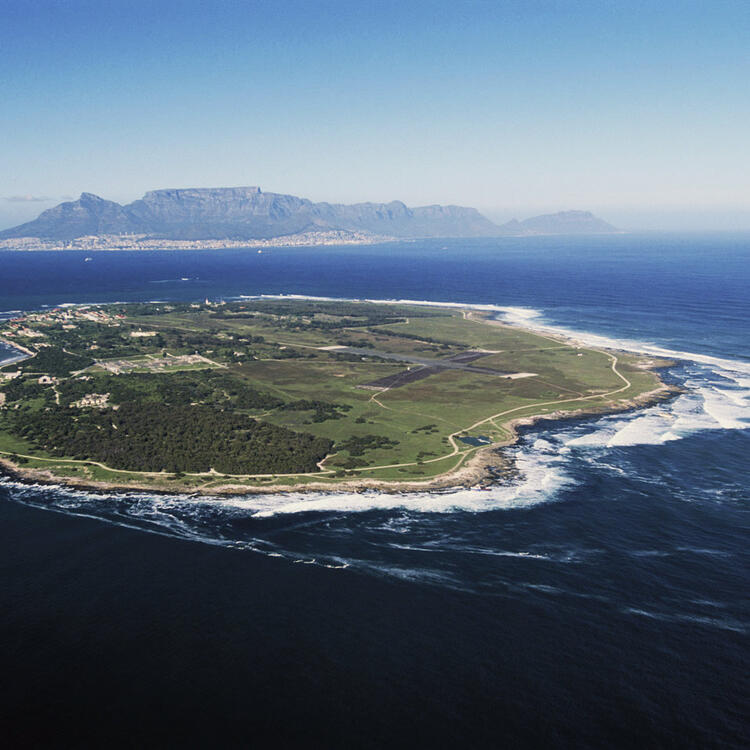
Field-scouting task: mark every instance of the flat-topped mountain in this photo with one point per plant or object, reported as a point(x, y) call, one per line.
point(564, 222)
point(248, 213)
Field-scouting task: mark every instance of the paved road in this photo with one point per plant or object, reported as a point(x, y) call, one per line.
point(457, 362)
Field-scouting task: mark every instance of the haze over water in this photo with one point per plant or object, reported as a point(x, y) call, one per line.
point(611, 575)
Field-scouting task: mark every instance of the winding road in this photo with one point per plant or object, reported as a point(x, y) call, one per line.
point(456, 449)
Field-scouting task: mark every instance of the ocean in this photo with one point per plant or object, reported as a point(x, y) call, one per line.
point(599, 599)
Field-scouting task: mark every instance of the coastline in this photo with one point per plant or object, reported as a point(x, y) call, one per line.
point(487, 466)
point(24, 352)
point(114, 243)
point(484, 466)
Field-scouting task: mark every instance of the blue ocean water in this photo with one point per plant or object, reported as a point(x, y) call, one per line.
point(600, 598)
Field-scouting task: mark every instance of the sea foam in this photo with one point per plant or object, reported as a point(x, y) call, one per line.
point(717, 398)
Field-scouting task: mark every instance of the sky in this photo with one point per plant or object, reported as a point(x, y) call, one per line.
point(638, 111)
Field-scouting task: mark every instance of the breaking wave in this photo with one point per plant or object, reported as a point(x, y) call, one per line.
point(313, 528)
point(366, 530)
point(717, 391)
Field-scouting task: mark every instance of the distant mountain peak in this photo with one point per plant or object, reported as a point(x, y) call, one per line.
point(90, 199)
point(562, 222)
point(247, 213)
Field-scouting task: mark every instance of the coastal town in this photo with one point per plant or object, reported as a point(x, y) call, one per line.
point(27, 325)
point(145, 242)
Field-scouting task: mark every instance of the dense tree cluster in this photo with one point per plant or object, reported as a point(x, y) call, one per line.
point(356, 445)
point(322, 410)
point(177, 422)
point(55, 361)
point(116, 341)
point(172, 438)
point(24, 389)
point(208, 387)
point(110, 341)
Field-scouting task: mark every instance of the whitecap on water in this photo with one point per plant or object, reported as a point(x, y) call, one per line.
point(718, 398)
point(240, 522)
point(722, 623)
point(726, 408)
point(717, 406)
point(649, 430)
point(730, 410)
point(703, 407)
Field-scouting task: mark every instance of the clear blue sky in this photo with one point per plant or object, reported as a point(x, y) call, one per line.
point(637, 110)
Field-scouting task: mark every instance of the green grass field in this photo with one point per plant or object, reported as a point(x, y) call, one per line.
point(280, 351)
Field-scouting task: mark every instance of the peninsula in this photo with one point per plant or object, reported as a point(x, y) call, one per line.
point(273, 394)
point(249, 217)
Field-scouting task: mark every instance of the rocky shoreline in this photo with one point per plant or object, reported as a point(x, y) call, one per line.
point(486, 467)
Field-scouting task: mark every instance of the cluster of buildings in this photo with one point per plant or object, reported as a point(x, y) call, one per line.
point(65, 316)
point(93, 401)
point(143, 242)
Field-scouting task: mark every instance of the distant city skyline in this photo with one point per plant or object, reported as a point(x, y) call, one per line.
point(637, 113)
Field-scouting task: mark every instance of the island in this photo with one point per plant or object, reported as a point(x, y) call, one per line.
point(281, 394)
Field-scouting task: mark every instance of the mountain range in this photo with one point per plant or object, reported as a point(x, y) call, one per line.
point(248, 213)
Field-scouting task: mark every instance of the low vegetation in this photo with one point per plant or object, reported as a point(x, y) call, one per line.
point(170, 395)
point(172, 438)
